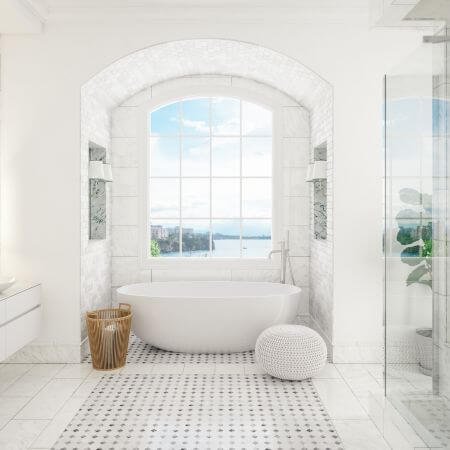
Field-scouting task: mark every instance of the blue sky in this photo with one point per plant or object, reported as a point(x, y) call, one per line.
point(191, 120)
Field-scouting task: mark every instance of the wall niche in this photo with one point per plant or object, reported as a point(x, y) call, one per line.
point(320, 197)
point(97, 197)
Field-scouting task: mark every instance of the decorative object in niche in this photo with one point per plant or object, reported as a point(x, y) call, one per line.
point(97, 192)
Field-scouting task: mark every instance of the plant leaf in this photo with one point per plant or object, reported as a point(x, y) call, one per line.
point(416, 275)
point(411, 255)
point(407, 235)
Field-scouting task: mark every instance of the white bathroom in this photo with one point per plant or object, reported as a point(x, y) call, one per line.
point(223, 224)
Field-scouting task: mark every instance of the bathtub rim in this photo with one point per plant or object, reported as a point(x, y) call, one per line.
point(293, 290)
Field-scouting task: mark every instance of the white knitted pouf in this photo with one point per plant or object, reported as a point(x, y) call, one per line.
point(291, 352)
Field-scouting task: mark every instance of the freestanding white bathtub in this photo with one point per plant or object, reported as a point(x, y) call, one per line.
point(208, 316)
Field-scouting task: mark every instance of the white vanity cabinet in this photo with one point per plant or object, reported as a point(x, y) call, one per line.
point(20, 317)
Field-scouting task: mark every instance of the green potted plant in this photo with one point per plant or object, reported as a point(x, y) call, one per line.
point(415, 234)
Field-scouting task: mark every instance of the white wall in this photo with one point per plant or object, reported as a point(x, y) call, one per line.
point(42, 76)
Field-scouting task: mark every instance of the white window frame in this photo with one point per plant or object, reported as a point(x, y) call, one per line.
point(174, 95)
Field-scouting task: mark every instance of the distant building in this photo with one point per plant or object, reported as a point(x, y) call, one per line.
point(159, 232)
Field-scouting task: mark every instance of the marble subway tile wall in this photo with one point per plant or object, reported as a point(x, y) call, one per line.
point(321, 260)
point(95, 254)
point(120, 84)
point(293, 146)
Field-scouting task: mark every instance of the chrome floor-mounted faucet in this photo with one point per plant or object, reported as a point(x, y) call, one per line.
point(284, 255)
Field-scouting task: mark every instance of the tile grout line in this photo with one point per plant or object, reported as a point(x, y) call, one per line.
point(362, 406)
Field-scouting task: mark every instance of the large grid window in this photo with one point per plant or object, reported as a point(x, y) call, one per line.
point(210, 179)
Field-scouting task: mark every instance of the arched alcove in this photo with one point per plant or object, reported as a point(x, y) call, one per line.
point(155, 65)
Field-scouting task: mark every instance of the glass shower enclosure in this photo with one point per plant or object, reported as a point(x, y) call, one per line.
point(416, 237)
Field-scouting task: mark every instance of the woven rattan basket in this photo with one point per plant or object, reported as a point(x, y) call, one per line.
point(109, 332)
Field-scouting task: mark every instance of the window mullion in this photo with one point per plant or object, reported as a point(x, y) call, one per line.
point(240, 178)
point(181, 180)
point(210, 178)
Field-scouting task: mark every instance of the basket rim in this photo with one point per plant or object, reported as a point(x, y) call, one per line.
point(88, 317)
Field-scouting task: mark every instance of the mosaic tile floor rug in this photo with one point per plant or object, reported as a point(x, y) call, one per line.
point(434, 415)
point(200, 412)
point(140, 352)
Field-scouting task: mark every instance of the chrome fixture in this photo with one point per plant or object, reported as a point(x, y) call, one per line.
point(98, 170)
point(284, 254)
point(316, 171)
point(285, 259)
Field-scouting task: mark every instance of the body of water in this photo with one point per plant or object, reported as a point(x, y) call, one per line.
point(230, 248)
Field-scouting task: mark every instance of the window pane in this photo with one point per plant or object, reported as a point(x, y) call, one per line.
point(225, 197)
point(196, 238)
point(165, 197)
point(226, 238)
point(195, 162)
point(164, 157)
point(195, 115)
point(257, 197)
point(256, 156)
point(256, 120)
point(225, 116)
point(225, 157)
point(256, 238)
point(195, 198)
point(166, 120)
point(165, 238)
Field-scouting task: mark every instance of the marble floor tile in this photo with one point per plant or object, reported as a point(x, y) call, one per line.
point(10, 406)
point(360, 435)
point(352, 370)
point(329, 371)
point(230, 369)
point(138, 368)
point(45, 370)
point(75, 371)
point(199, 368)
point(26, 386)
point(339, 400)
point(9, 373)
point(86, 388)
point(168, 368)
point(50, 399)
point(253, 368)
point(362, 386)
point(19, 434)
point(57, 425)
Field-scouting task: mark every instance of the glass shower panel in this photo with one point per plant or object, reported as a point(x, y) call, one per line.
point(415, 240)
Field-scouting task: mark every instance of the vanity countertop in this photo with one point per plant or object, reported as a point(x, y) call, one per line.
point(17, 288)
